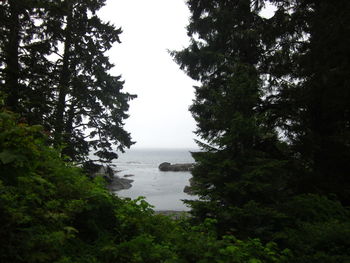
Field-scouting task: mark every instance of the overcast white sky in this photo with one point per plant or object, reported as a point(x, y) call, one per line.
point(159, 117)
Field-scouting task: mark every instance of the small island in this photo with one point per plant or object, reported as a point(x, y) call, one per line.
point(178, 167)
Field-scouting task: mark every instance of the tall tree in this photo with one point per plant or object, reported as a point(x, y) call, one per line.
point(325, 71)
point(309, 73)
point(93, 99)
point(272, 109)
point(57, 58)
point(23, 49)
point(240, 176)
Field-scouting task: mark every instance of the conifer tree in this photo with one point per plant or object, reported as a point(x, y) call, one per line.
point(56, 73)
point(88, 96)
point(24, 66)
point(309, 72)
point(272, 109)
point(329, 104)
point(240, 176)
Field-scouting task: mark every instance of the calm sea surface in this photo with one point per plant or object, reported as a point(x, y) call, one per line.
point(163, 190)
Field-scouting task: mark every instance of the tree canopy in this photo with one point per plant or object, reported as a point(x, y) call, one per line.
point(55, 73)
point(272, 112)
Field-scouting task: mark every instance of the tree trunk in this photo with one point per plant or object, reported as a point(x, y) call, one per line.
point(12, 59)
point(64, 82)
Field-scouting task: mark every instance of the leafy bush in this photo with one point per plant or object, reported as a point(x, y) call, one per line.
point(51, 212)
point(318, 230)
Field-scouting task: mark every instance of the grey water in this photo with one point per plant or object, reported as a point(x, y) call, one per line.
point(163, 190)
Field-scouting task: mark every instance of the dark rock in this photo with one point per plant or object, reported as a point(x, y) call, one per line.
point(178, 167)
point(164, 166)
point(129, 175)
point(118, 184)
point(188, 190)
point(106, 172)
point(115, 183)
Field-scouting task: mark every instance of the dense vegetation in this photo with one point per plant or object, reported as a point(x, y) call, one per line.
point(51, 212)
point(273, 114)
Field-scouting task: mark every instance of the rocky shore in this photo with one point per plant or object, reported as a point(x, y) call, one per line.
point(115, 183)
point(119, 183)
point(178, 167)
point(189, 188)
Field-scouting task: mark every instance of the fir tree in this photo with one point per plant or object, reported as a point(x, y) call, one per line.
point(240, 176)
point(89, 98)
point(24, 66)
point(308, 73)
point(55, 73)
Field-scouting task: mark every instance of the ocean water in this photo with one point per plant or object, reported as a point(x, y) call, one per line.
point(163, 190)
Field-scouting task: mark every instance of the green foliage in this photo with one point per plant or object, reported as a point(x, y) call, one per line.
point(55, 73)
point(200, 244)
point(52, 212)
point(309, 94)
point(241, 174)
point(272, 111)
point(317, 229)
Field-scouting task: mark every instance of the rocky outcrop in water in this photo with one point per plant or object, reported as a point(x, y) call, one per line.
point(178, 167)
point(115, 183)
point(189, 188)
point(118, 184)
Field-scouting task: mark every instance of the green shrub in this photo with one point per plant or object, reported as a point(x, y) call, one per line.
point(318, 230)
point(51, 212)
